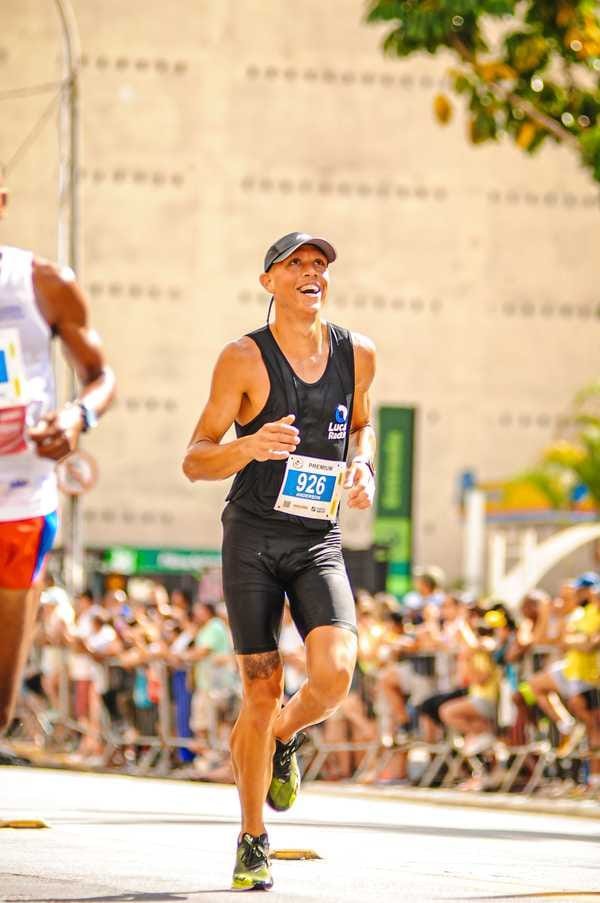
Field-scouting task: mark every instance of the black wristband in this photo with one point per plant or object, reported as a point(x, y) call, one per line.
point(367, 463)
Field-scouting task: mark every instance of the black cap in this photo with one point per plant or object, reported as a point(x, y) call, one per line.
point(285, 246)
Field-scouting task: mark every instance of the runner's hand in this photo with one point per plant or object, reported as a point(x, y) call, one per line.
point(361, 485)
point(57, 433)
point(275, 441)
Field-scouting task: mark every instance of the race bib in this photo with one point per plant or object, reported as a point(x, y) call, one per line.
point(13, 401)
point(12, 374)
point(12, 430)
point(311, 487)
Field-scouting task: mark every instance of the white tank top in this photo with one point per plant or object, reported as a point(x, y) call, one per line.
point(27, 390)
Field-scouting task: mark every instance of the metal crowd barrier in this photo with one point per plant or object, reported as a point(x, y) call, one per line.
point(59, 732)
point(523, 767)
point(506, 767)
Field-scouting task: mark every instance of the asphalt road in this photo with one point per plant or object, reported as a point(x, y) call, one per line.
point(114, 839)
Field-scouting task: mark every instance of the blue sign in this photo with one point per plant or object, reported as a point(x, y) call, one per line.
point(312, 486)
point(3, 368)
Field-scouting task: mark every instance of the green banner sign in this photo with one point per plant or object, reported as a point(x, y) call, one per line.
point(127, 560)
point(393, 513)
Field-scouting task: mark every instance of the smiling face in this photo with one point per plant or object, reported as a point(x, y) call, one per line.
point(300, 282)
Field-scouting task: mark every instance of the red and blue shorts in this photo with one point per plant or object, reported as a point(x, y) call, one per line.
point(24, 545)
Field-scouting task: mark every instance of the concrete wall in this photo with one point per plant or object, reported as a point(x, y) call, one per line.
point(211, 128)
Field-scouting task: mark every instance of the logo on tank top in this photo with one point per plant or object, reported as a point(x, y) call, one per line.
point(11, 312)
point(339, 425)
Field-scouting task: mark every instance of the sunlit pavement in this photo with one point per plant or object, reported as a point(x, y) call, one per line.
point(113, 838)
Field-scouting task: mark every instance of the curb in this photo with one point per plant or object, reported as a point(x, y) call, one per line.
point(493, 802)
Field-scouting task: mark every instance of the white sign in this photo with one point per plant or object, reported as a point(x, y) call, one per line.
point(311, 487)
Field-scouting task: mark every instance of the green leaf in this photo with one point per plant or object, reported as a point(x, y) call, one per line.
point(547, 57)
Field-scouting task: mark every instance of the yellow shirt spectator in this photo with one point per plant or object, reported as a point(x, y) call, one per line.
point(487, 687)
point(581, 665)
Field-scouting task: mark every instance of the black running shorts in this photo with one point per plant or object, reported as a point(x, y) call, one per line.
point(265, 560)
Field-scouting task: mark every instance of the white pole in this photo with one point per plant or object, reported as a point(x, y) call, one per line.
point(528, 547)
point(69, 246)
point(474, 540)
point(497, 568)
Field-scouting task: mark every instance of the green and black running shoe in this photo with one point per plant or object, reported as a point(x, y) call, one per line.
point(285, 782)
point(252, 866)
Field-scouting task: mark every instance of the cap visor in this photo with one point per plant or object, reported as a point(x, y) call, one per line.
point(323, 245)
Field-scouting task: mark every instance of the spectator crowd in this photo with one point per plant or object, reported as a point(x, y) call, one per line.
point(111, 678)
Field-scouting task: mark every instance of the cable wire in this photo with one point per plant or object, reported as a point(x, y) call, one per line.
point(32, 90)
point(31, 136)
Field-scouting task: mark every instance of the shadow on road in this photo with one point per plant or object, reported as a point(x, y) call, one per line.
point(157, 818)
point(154, 896)
point(558, 895)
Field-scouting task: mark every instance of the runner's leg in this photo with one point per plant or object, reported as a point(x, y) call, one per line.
point(252, 741)
point(17, 615)
point(330, 659)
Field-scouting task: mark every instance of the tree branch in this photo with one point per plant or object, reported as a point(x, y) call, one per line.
point(525, 106)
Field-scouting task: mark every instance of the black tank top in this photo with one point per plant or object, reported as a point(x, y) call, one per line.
point(323, 412)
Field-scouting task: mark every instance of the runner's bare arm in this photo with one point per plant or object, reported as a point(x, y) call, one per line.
point(359, 479)
point(206, 458)
point(66, 310)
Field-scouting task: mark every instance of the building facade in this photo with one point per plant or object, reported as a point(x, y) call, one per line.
point(212, 128)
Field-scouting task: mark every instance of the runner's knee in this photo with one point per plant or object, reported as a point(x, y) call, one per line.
point(330, 686)
point(262, 677)
point(262, 708)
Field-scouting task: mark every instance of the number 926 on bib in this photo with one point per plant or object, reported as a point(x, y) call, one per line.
point(311, 487)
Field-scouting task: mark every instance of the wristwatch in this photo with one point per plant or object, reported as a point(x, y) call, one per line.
point(89, 418)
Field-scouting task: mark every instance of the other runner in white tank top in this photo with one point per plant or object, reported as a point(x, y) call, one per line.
point(37, 301)
point(27, 481)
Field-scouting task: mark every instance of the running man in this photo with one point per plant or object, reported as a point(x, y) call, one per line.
point(37, 301)
point(298, 393)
